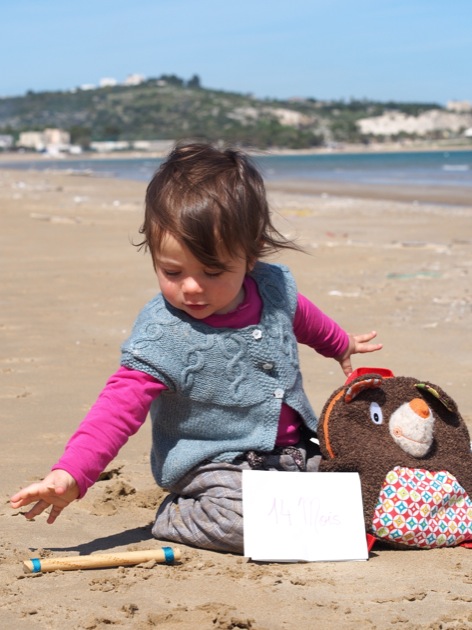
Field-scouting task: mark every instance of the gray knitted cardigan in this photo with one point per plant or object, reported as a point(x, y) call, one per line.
point(226, 386)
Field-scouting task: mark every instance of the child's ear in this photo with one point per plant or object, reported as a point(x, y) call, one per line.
point(251, 263)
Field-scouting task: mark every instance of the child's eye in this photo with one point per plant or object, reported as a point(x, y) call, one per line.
point(170, 274)
point(213, 274)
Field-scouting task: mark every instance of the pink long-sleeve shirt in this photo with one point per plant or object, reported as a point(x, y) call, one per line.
point(124, 403)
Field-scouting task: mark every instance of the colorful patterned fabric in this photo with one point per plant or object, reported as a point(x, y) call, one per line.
point(423, 509)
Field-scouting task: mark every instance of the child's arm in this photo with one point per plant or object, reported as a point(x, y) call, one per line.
point(118, 413)
point(315, 329)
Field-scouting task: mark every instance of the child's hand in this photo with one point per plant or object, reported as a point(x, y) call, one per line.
point(57, 489)
point(357, 344)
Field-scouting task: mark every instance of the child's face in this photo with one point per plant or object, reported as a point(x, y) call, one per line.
point(192, 287)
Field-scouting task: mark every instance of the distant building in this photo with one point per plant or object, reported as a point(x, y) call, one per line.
point(134, 79)
point(157, 146)
point(431, 121)
point(87, 86)
point(31, 140)
point(106, 146)
point(290, 118)
point(50, 140)
point(56, 137)
point(6, 142)
point(286, 117)
point(463, 107)
point(108, 82)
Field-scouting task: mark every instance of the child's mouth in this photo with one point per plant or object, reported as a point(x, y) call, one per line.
point(196, 307)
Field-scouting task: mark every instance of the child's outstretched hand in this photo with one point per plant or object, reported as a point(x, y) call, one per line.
point(57, 490)
point(357, 344)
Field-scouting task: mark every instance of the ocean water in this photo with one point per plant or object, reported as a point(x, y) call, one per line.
point(425, 168)
point(418, 168)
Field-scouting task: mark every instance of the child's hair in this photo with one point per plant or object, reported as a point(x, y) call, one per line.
point(212, 201)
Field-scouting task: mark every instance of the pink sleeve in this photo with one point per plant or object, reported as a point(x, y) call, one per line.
point(315, 329)
point(118, 413)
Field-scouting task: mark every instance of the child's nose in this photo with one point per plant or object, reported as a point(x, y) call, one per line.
point(191, 285)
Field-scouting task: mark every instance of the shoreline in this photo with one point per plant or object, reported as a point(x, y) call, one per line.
point(438, 195)
point(450, 196)
point(436, 192)
point(340, 149)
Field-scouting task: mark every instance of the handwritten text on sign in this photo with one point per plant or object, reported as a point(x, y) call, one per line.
point(303, 516)
point(297, 511)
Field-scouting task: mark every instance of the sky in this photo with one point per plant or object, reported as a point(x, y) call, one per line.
point(386, 50)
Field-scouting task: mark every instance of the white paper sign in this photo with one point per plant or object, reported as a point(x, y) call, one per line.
point(291, 516)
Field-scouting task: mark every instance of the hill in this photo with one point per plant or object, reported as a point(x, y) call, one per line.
point(170, 108)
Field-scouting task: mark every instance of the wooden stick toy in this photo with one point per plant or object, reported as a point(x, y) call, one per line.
point(97, 561)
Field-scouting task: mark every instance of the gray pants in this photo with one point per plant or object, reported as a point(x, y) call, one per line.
point(204, 508)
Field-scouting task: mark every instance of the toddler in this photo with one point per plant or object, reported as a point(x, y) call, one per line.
point(213, 357)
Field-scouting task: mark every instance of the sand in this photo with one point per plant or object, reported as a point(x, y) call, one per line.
point(72, 284)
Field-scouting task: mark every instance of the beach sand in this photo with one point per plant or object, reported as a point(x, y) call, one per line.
point(72, 284)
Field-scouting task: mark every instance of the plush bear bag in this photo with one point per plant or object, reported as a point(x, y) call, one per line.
point(412, 450)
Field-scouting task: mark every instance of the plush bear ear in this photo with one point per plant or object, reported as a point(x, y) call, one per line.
point(438, 393)
point(361, 385)
point(343, 395)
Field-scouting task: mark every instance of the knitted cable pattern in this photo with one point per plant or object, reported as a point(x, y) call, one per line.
point(226, 386)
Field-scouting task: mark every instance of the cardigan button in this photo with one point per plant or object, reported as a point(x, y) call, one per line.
point(279, 393)
point(257, 334)
point(267, 366)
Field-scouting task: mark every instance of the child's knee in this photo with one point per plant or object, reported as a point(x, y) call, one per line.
point(208, 523)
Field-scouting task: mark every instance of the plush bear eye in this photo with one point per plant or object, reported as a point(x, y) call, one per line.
point(376, 414)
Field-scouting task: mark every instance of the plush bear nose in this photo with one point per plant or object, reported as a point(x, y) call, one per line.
point(419, 406)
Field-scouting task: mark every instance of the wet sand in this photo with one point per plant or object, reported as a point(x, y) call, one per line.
point(72, 284)
point(440, 195)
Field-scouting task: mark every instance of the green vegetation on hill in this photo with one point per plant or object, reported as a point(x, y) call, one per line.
point(171, 108)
